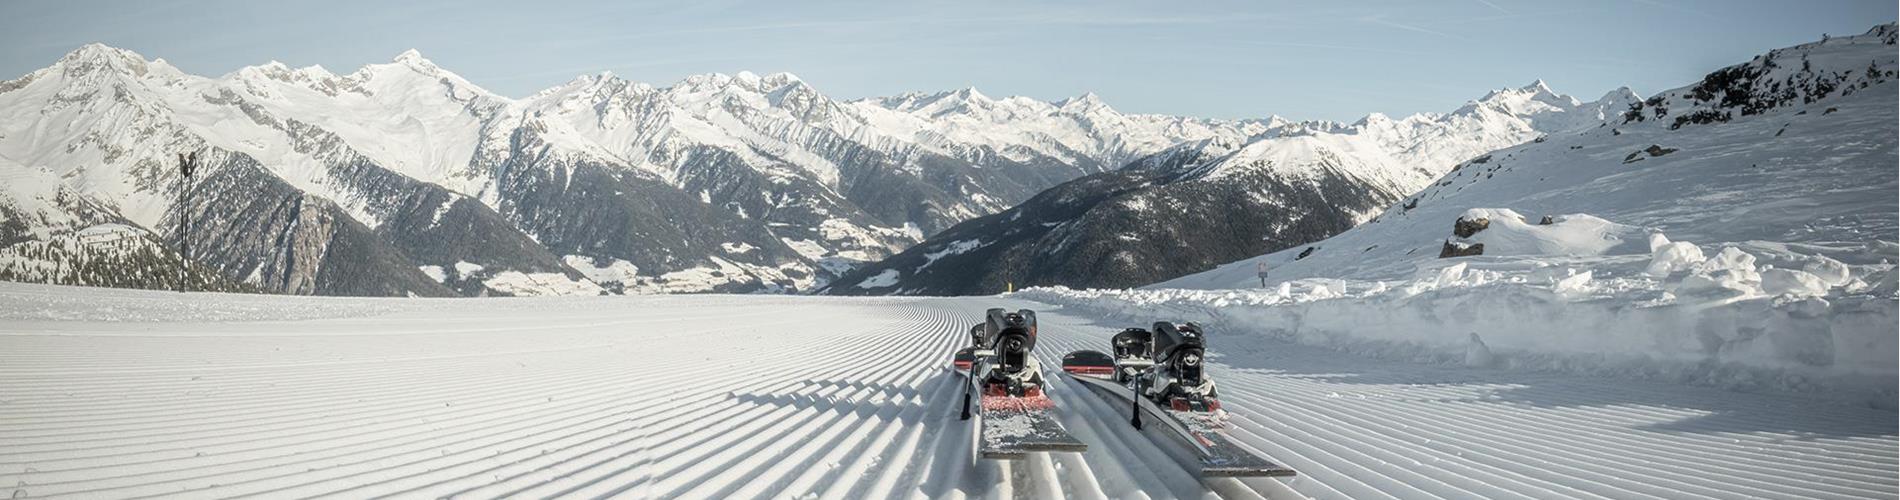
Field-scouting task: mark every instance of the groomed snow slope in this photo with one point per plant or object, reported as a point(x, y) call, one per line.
point(116, 393)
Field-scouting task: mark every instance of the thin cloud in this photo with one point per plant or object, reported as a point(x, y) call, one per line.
point(1516, 15)
point(1408, 27)
point(1039, 19)
point(1353, 48)
point(1493, 6)
point(1680, 9)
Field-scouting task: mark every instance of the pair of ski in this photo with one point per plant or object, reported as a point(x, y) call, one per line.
point(1016, 417)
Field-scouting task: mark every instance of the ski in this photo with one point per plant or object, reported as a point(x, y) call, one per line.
point(1014, 417)
point(1151, 369)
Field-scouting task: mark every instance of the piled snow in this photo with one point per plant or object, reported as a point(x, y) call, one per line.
point(1511, 233)
point(1792, 282)
point(1671, 256)
point(1725, 321)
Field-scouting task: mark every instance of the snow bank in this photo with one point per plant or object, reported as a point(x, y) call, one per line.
point(1726, 320)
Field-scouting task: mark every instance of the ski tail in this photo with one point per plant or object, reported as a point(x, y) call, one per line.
point(964, 359)
point(1013, 424)
point(1089, 363)
point(1198, 424)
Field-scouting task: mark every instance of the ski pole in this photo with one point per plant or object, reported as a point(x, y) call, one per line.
point(1136, 419)
point(969, 382)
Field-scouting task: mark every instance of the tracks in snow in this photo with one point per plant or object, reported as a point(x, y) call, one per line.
point(836, 398)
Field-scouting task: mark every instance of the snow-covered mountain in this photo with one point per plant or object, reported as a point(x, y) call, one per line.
point(1796, 146)
point(404, 178)
point(1205, 202)
point(1736, 231)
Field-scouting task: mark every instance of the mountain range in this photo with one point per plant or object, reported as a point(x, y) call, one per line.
point(406, 179)
point(1207, 202)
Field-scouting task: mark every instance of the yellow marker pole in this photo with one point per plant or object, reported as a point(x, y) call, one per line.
point(1012, 286)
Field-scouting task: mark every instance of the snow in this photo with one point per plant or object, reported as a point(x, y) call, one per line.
point(951, 248)
point(1757, 255)
point(612, 270)
point(1672, 256)
point(881, 280)
point(1792, 282)
point(1511, 234)
point(118, 393)
point(1722, 323)
point(435, 273)
point(540, 284)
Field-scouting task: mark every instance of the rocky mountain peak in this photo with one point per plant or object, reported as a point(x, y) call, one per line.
point(1086, 102)
point(96, 58)
point(413, 58)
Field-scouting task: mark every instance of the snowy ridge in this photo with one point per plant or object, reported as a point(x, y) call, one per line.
point(229, 395)
point(1078, 129)
point(1401, 156)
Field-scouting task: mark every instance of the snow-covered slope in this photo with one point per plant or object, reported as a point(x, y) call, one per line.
point(117, 393)
point(1809, 169)
point(1738, 231)
point(1205, 202)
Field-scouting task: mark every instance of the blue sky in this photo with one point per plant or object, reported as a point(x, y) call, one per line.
point(1303, 60)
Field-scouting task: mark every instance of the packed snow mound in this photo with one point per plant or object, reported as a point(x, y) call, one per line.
point(1510, 233)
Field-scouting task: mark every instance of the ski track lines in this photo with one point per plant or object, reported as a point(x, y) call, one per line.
point(723, 396)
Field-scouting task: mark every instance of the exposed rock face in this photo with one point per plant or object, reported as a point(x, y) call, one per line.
point(1465, 228)
point(1781, 78)
point(1652, 151)
point(288, 241)
point(580, 206)
point(1456, 249)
